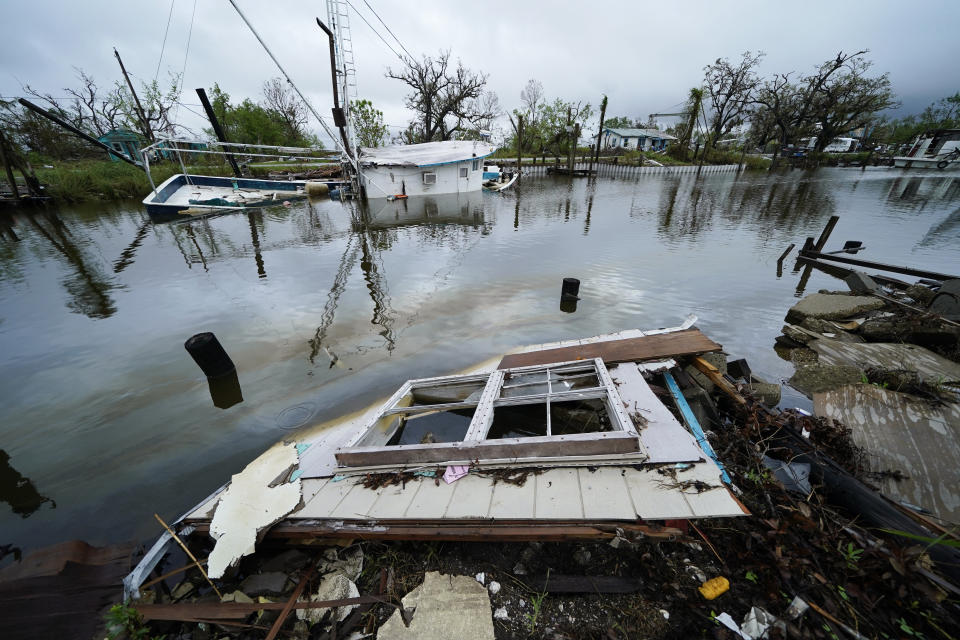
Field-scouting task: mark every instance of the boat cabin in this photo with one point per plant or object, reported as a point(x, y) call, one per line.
point(434, 168)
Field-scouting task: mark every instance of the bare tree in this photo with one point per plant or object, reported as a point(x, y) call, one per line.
point(281, 99)
point(842, 97)
point(532, 98)
point(445, 99)
point(88, 109)
point(730, 86)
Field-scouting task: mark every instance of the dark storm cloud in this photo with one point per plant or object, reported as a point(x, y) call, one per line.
point(644, 55)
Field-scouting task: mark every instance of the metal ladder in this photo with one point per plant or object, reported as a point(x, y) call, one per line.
point(338, 15)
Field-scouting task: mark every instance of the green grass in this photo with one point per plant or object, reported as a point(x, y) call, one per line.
point(86, 180)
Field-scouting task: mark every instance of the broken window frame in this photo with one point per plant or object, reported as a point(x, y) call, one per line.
point(373, 438)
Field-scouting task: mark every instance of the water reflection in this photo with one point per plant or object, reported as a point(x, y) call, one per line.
point(404, 289)
point(18, 491)
point(225, 390)
point(88, 288)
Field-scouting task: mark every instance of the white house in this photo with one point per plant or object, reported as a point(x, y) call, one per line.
point(642, 139)
point(454, 166)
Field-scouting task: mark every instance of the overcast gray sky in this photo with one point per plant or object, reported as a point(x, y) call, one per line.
point(644, 55)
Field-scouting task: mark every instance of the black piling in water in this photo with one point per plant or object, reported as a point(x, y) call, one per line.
point(571, 287)
point(568, 295)
point(206, 351)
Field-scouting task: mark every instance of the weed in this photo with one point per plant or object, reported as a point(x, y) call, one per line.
point(123, 620)
point(851, 554)
point(751, 576)
point(537, 601)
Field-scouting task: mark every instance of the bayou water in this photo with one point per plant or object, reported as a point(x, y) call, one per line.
point(327, 307)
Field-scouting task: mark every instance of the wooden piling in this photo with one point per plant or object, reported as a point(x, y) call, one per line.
point(825, 234)
point(6, 167)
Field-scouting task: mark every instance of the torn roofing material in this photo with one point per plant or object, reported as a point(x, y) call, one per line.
point(256, 498)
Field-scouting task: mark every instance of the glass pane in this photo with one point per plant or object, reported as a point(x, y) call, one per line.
point(524, 384)
point(430, 427)
point(574, 381)
point(579, 416)
point(520, 421)
point(443, 394)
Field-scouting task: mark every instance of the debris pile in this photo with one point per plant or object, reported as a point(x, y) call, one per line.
point(811, 562)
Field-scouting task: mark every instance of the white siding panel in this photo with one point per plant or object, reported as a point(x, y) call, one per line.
point(558, 494)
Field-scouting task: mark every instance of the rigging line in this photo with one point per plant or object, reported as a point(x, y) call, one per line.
point(378, 33)
point(164, 45)
point(309, 106)
point(186, 56)
point(387, 28)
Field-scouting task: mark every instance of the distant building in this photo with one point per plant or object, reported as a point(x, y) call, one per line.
point(125, 143)
point(642, 139)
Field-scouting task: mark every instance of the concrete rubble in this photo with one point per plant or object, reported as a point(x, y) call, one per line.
point(444, 607)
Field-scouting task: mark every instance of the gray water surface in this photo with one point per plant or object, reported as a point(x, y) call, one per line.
point(326, 308)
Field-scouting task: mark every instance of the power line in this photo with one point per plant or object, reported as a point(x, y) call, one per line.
point(387, 28)
point(164, 45)
point(186, 55)
point(400, 57)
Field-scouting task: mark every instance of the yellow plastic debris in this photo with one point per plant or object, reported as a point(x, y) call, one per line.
point(714, 587)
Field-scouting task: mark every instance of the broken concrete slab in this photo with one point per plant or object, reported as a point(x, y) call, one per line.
point(237, 596)
point(903, 433)
point(931, 367)
point(766, 392)
point(346, 561)
point(271, 583)
point(827, 306)
point(813, 378)
point(447, 606)
point(334, 586)
point(252, 503)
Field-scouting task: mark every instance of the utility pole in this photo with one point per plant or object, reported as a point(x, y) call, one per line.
point(217, 129)
point(572, 143)
point(519, 144)
point(596, 151)
point(144, 125)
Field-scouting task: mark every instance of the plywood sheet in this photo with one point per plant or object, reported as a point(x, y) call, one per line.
point(650, 347)
point(904, 433)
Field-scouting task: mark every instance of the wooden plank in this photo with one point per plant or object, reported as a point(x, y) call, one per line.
point(556, 583)
point(237, 610)
point(650, 347)
point(558, 494)
point(535, 447)
point(662, 435)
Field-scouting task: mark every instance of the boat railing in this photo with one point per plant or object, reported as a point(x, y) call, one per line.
point(179, 146)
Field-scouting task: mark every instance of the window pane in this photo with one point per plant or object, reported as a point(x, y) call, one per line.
point(574, 381)
point(519, 422)
point(442, 394)
point(524, 384)
point(579, 416)
point(440, 426)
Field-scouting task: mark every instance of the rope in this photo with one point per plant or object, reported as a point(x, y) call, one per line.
point(164, 45)
point(386, 27)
